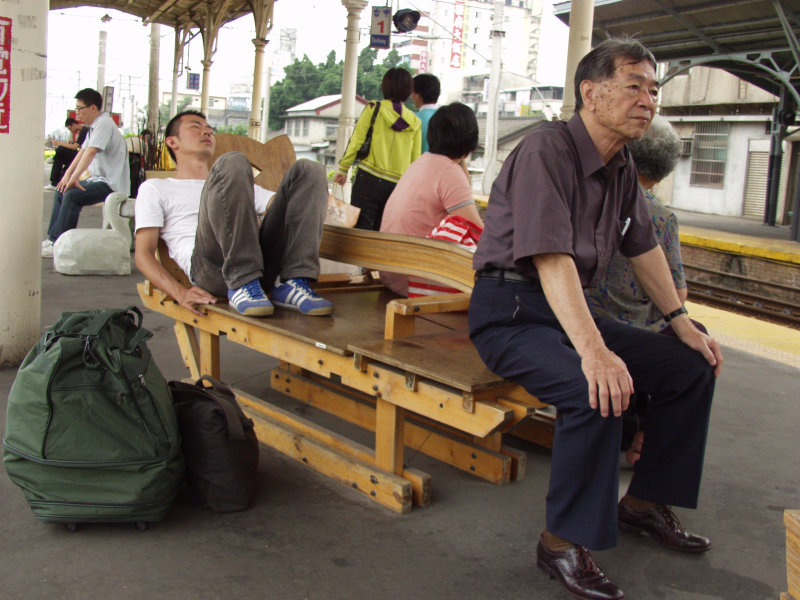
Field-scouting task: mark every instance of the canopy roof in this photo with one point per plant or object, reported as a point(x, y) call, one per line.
point(753, 39)
point(175, 13)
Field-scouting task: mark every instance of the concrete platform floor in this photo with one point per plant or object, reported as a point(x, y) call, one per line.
point(308, 537)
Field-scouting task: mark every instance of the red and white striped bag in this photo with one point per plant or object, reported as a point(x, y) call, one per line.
point(455, 229)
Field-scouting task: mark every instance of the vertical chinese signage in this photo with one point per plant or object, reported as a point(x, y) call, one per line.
point(5, 74)
point(423, 61)
point(458, 31)
point(379, 29)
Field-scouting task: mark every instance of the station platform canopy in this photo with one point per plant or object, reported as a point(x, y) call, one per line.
point(755, 40)
point(175, 13)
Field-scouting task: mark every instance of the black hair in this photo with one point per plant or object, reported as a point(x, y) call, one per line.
point(601, 63)
point(70, 122)
point(397, 85)
point(175, 124)
point(428, 87)
point(453, 131)
point(89, 96)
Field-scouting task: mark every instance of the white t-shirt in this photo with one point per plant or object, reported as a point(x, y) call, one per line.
point(110, 164)
point(173, 205)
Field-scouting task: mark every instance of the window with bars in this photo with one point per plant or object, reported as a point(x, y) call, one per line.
point(709, 154)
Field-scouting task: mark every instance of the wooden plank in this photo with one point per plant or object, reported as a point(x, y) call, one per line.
point(426, 305)
point(190, 350)
point(389, 421)
point(537, 429)
point(420, 481)
point(519, 462)
point(366, 308)
point(398, 326)
point(447, 263)
point(521, 410)
point(357, 408)
point(791, 518)
point(448, 357)
point(387, 489)
point(271, 159)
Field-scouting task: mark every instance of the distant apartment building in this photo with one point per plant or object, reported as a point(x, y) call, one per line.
point(312, 127)
point(222, 111)
point(453, 41)
point(724, 123)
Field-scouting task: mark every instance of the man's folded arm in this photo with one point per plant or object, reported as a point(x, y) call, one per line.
point(150, 267)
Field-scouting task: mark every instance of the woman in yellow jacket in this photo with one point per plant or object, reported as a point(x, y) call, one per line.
point(396, 143)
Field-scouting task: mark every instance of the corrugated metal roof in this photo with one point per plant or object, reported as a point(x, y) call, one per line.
point(175, 13)
point(722, 30)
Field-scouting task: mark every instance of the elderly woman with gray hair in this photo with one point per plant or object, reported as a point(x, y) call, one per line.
point(618, 294)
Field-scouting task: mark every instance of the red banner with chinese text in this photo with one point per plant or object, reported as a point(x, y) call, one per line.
point(5, 74)
point(458, 31)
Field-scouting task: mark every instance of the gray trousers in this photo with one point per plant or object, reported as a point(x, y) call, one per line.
point(230, 249)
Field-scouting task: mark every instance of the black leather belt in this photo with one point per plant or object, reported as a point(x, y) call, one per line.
point(506, 275)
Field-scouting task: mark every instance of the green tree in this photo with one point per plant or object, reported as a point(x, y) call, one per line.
point(305, 81)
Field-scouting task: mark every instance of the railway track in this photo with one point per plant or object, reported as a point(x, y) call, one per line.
point(772, 301)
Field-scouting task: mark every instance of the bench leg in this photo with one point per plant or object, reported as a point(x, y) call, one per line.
point(209, 353)
point(389, 435)
point(199, 349)
point(190, 350)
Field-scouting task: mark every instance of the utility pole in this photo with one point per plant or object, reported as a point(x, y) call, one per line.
point(265, 104)
point(152, 91)
point(490, 146)
point(101, 60)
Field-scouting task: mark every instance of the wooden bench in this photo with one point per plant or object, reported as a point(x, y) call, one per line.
point(402, 368)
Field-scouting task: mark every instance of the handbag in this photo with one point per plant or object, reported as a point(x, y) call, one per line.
point(340, 212)
point(219, 445)
point(363, 152)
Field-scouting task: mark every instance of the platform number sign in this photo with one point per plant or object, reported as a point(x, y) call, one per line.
point(379, 31)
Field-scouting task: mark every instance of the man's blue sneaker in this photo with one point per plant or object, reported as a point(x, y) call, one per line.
point(297, 295)
point(250, 300)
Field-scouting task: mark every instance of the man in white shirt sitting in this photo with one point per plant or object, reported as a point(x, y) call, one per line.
point(209, 220)
point(104, 154)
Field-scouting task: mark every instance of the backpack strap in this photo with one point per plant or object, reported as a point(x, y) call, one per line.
point(226, 400)
point(100, 320)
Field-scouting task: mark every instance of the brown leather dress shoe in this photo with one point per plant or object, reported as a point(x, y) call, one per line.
point(577, 571)
point(661, 523)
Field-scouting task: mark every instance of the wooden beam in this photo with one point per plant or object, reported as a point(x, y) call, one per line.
point(423, 437)
point(209, 353)
point(327, 452)
point(190, 350)
point(389, 421)
point(420, 481)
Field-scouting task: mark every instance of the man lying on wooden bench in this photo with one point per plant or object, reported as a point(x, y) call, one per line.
point(209, 221)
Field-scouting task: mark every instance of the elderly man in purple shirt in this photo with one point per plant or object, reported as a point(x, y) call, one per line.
point(565, 200)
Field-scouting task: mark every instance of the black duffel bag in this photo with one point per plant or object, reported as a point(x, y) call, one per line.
point(219, 445)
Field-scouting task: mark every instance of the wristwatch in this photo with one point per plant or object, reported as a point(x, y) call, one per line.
point(675, 313)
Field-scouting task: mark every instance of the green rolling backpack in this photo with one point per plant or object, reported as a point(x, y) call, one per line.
point(91, 431)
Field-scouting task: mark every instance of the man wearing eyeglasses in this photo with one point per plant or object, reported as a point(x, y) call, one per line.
point(105, 156)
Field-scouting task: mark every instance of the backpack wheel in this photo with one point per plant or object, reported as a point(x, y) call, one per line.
point(141, 525)
point(71, 527)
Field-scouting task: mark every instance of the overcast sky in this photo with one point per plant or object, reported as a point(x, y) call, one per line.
point(72, 50)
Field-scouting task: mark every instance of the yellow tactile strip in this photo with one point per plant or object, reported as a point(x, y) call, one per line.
point(748, 334)
point(778, 250)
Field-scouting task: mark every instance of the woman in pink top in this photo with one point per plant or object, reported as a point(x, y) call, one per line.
point(435, 185)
